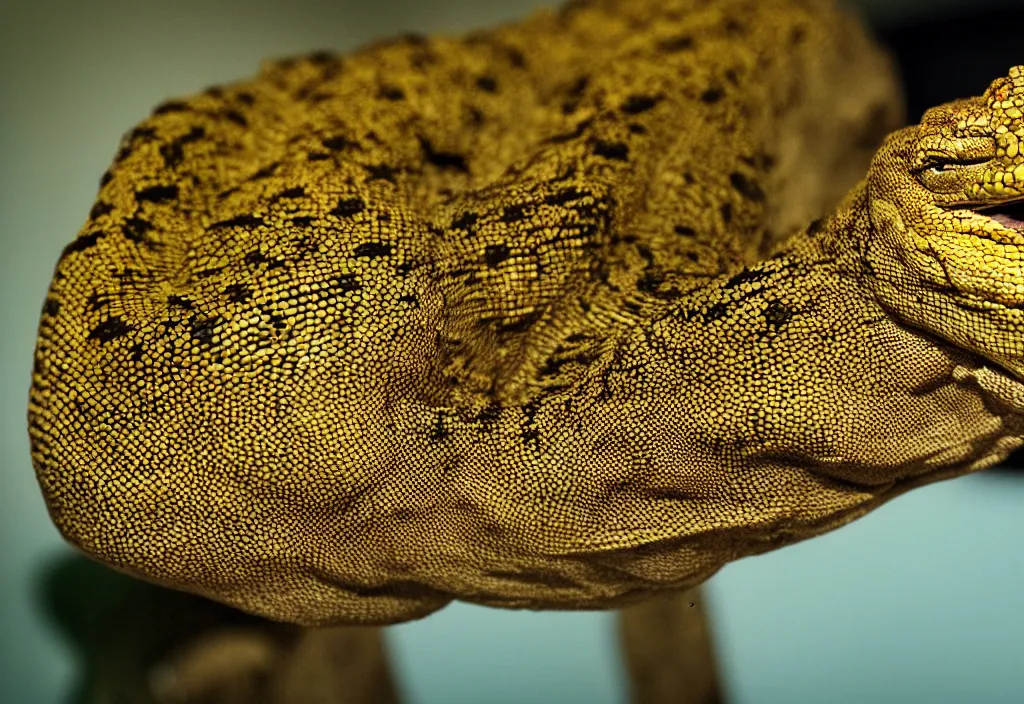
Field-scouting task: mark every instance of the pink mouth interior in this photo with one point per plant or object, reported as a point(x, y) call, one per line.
point(1007, 221)
point(1009, 215)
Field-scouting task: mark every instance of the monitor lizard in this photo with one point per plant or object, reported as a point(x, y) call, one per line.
point(535, 317)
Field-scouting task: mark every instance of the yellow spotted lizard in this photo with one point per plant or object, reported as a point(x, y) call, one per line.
point(535, 317)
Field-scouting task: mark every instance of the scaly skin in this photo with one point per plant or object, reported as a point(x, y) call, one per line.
point(513, 318)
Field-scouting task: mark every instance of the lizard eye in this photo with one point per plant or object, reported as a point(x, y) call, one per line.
point(944, 165)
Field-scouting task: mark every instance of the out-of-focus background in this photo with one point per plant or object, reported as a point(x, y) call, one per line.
point(918, 602)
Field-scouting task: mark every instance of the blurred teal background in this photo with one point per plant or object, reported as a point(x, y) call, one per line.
point(918, 602)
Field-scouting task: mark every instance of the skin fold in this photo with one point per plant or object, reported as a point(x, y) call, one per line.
point(533, 317)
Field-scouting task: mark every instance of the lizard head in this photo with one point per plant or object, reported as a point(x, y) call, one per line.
point(946, 204)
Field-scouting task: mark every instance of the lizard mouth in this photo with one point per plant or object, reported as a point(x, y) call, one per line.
point(1009, 214)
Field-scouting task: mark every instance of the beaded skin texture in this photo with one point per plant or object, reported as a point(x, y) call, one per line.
point(536, 317)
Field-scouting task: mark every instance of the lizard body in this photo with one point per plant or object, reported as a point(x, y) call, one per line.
point(515, 318)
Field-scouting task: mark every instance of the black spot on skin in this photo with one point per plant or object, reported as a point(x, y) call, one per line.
point(747, 188)
point(711, 96)
point(381, 172)
point(442, 160)
point(636, 129)
point(255, 257)
point(202, 330)
point(317, 156)
point(487, 83)
point(135, 229)
point(726, 211)
point(238, 221)
point(372, 250)
point(265, 171)
point(488, 414)
point(392, 93)
point(687, 314)
point(236, 117)
point(96, 301)
point(569, 136)
point(438, 432)
point(237, 293)
point(207, 273)
point(521, 325)
point(637, 104)
point(157, 194)
point(106, 178)
point(245, 98)
point(797, 35)
point(777, 314)
point(51, 307)
point(141, 133)
point(180, 302)
point(716, 311)
point(173, 152)
point(643, 250)
point(673, 44)
point(100, 209)
point(412, 39)
point(815, 227)
point(193, 135)
point(732, 26)
point(553, 367)
point(136, 352)
point(579, 87)
point(347, 283)
point(495, 254)
point(323, 57)
point(110, 329)
point(611, 150)
point(347, 207)
point(747, 276)
point(170, 106)
point(301, 221)
point(513, 213)
point(649, 282)
point(337, 143)
point(411, 299)
point(575, 93)
point(684, 231)
point(297, 192)
point(566, 195)
point(465, 220)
